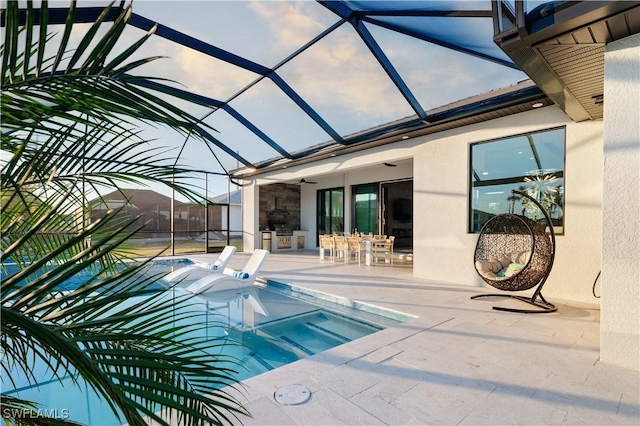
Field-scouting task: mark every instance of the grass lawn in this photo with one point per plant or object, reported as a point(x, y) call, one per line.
point(148, 247)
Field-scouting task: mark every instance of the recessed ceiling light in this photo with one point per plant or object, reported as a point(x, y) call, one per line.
point(405, 137)
point(485, 173)
point(537, 105)
point(333, 155)
point(519, 152)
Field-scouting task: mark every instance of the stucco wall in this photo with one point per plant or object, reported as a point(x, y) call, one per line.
point(620, 309)
point(443, 250)
point(439, 164)
point(250, 233)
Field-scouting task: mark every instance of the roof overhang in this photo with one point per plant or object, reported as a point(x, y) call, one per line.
point(561, 46)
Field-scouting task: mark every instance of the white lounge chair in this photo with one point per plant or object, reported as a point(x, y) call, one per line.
point(217, 266)
point(229, 278)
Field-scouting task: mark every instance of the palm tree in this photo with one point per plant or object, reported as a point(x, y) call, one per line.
point(71, 126)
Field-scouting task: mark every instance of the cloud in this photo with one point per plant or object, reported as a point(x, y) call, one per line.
point(293, 24)
point(209, 76)
point(438, 76)
point(338, 73)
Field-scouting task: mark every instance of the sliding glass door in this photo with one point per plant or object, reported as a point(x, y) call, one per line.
point(365, 207)
point(397, 212)
point(330, 211)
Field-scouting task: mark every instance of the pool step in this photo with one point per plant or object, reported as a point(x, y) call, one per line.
point(257, 357)
point(323, 332)
point(327, 331)
point(267, 350)
point(272, 347)
point(280, 342)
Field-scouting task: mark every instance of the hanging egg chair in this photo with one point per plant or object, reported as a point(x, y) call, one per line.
point(515, 253)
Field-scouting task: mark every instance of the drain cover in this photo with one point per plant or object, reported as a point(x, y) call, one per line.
point(292, 395)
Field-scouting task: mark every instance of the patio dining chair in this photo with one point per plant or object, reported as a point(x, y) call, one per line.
point(327, 243)
point(356, 247)
point(383, 250)
point(341, 247)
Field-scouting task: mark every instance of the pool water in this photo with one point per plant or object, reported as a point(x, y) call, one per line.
point(294, 329)
point(283, 342)
point(275, 324)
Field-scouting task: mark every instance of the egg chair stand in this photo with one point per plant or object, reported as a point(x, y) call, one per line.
point(515, 238)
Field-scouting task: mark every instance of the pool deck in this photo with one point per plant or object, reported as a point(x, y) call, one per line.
point(458, 362)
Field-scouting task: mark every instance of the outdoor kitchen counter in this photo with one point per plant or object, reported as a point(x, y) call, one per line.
point(297, 240)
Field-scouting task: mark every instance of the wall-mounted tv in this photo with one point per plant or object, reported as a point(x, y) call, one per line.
point(403, 209)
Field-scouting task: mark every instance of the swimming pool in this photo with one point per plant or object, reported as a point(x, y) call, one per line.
point(274, 323)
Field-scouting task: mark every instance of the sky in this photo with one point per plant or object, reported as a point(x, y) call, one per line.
point(337, 76)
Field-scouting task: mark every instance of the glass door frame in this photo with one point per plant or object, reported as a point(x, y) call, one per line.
point(376, 189)
point(387, 213)
point(321, 199)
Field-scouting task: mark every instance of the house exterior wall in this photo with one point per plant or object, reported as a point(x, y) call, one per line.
point(439, 165)
point(250, 232)
point(620, 308)
point(443, 250)
point(235, 219)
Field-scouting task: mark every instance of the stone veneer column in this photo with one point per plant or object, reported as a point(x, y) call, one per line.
point(620, 303)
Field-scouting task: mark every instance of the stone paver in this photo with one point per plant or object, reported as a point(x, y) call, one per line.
point(377, 400)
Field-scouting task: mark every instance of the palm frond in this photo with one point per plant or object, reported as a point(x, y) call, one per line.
point(71, 121)
point(96, 331)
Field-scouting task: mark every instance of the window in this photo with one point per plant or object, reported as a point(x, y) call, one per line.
point(532, 163)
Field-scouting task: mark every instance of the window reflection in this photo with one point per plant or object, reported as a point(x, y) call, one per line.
point(330, 211)
point(532, 163)
point(366, 208)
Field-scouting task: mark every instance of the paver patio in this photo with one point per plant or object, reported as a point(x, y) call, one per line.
point(458, 362)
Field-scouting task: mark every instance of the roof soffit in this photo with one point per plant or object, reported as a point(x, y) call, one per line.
point(562, 49)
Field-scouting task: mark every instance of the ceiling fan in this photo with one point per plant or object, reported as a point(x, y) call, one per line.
point(303, 180)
